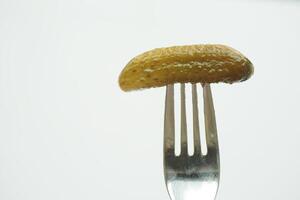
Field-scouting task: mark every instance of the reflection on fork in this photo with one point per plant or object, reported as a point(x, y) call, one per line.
point(191, 177)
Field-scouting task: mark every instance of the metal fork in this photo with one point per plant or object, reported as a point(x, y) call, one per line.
point(191, 177)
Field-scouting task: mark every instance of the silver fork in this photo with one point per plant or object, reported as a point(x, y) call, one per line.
point(191, 177)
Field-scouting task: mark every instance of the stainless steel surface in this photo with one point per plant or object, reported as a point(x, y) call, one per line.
point(191, 177)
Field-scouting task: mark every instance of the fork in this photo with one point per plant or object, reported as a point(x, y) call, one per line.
point(191, 177)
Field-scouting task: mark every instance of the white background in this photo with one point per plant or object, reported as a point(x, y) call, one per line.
point(68, 132)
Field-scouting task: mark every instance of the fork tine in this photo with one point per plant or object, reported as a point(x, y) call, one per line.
point(169, 124)
point(210, 120)
point(183, 135)
point(190, 177)
point(196, 132)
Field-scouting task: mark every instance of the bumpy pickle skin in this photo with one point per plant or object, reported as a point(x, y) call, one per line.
point(182, 64)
